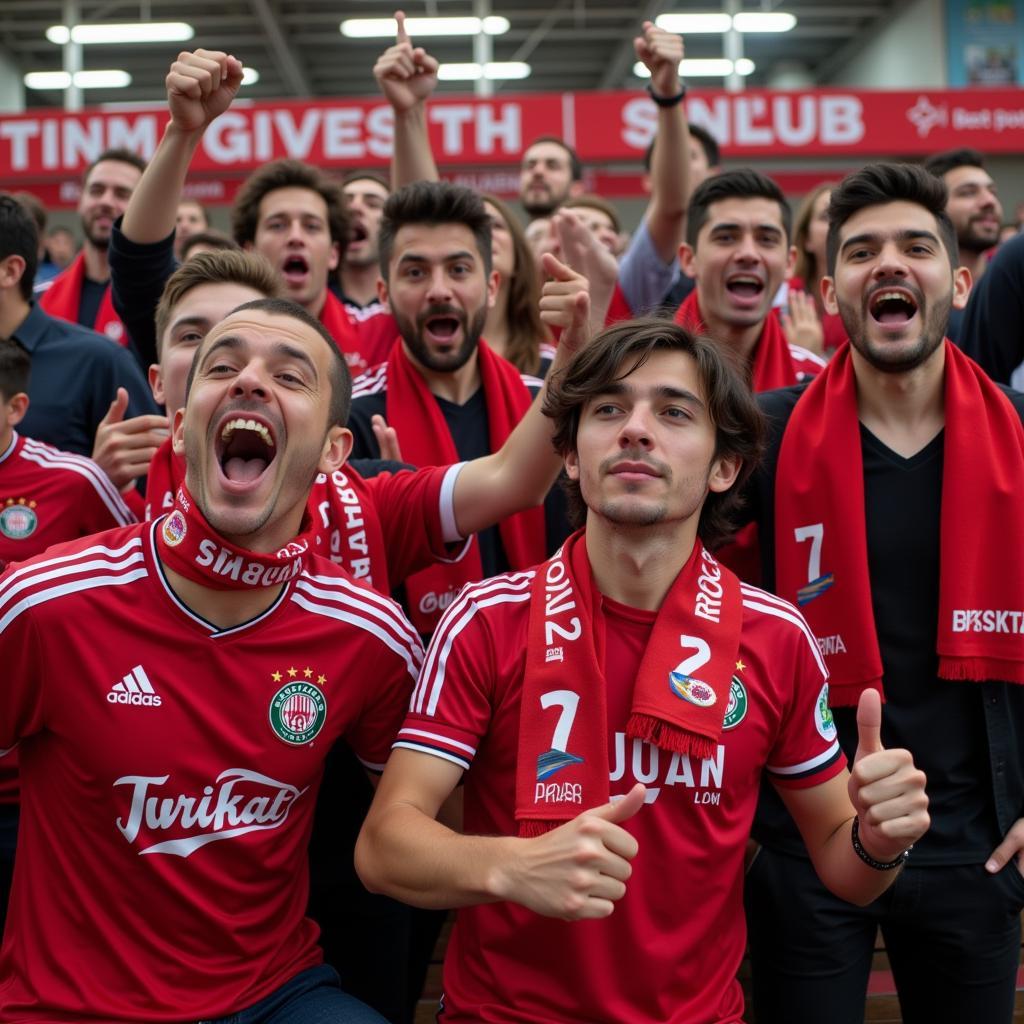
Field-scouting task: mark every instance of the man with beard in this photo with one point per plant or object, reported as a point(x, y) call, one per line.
point(174, 721)
point(81, 293)
point(975, 211)
point(446, 394)
point(549, 173)
point(889, 510)
point(629, 657)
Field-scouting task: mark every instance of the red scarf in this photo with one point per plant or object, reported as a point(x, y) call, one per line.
point(679, 698)
point(820, 490)
point(339, 324)
point(187, 543)
point(423, 435)
point(773, 364)
point(64, 296)
point(345, 523)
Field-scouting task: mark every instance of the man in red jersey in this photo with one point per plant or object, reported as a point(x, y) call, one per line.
point(46, 496)
point(81, 293)
point(629, 669)
point(195, 673)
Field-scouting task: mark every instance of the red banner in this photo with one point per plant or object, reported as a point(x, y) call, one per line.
point(605, 127)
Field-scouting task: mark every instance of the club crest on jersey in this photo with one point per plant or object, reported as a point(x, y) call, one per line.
point(18, 519)
point(298, 712)
point(689, 689)
point(736, 709)
point(175, 528)
point(823, 720)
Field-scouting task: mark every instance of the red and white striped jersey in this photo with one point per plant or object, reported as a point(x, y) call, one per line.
point(670, 951)
point(169, 776)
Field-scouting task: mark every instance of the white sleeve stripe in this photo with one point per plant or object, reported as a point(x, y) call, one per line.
point(42, 596)
point(797, 621)
point(90, 471)
point(96, 549)
point(449, 528)
point(370, 383)
point(433, 752)
point(466, 595)
point(13, 589)
point(806, 355)
point(456, 629)
point(409, 656)
point(806, 766)
point(365, 600)
point(530, 381)
point(439, 738)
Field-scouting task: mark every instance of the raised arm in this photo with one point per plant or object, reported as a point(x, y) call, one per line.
point(520, 474)
point(407, 76)
point(884, 792)
point(200, 87)
point(575, 871)
point(665, 217)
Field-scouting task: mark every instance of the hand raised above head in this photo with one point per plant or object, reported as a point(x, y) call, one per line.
point(200, 86)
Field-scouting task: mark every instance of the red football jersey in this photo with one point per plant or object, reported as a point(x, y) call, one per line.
point(48, 496)
point(169, 776)
point(670, 951)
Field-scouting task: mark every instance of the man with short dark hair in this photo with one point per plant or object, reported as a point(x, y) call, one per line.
point(81, 293)
point(549, 173)
point(738, 252)
point(196, 672)
point(610, 712)
point(886, 480)
point(365, 195)
point(76, 372)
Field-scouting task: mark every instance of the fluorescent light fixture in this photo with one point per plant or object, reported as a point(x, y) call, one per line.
point(764, 21)
point(113, 79)
point(695, 68)
point(130, 32)
point(496, 70)
point(382, 28)
point(694, 24)
point(250, 76)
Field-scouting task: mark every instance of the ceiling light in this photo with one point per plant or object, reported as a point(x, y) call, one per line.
point(694, 68)
point(762, 21)
point(250, 76)
point(692, 24)
point(496, 70)
point(113, 79)
point(383, 28)
point(132, 32)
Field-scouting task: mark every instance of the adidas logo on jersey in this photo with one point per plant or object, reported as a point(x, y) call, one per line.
point(135, 689)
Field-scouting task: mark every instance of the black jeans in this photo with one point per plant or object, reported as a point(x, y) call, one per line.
point(952, 935)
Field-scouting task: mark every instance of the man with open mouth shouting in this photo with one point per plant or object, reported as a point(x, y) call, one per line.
point(889, 510)
point(173, 727)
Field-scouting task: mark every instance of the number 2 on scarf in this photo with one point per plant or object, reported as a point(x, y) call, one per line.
point(568, 701)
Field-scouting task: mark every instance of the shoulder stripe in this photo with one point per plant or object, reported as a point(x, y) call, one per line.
point(547, 351)
point(90, 583)
point(423, 748)
point(530, 381)
point(344, 592)
point(51, 458)
point(412, 656)
point(371, 383)
point(790, 614)
point(509, 581)
point(806, 355)
point(37, 570)
point(807, 767)
point(453, 628)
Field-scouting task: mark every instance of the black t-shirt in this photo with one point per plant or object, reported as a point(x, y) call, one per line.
point(940, 721)
point(89, 302)
point(469, 428)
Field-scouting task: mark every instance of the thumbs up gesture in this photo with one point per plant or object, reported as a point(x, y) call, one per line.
point(885, 788)
point(578, 870)
point(124, 448)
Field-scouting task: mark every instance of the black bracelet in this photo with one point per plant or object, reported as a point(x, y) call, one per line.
point(667, 101)
point(878, 865)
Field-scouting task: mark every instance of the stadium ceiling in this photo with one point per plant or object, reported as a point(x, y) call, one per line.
point(298, 50)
